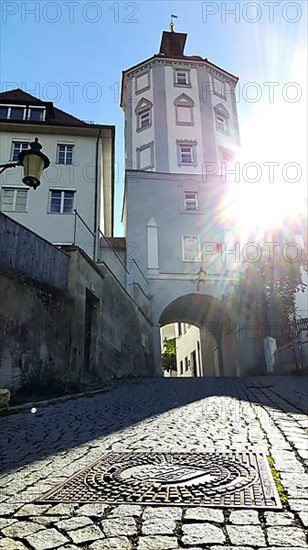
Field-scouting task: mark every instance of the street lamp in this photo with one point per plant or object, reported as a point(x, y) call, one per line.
point(201, 277)
point(33, 162)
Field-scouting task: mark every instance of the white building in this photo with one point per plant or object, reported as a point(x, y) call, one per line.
point(75, 198)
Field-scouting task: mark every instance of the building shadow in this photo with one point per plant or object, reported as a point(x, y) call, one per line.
point(26, 437)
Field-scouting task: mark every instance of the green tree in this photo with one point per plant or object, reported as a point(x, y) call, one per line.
point(266, 292)
point(169, 355)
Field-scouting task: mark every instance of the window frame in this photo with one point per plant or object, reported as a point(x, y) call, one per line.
point(36, 108)
point(183, 100)
point(143, 106)
point(10, 107)
point(188, 144)
point(15, 188)
point(139, 150)
point(221, 127)
point(62, 191)
point(187, 83)
point(63, 144)
point(221, 112)
point(147, 85)
point(145, 114)
point(187, 199)
point(224, 151)
point(187, 152)
point(198, 255)
point(14, 142)
point(221, 94)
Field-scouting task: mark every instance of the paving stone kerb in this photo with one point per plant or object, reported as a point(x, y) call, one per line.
point(188, 415)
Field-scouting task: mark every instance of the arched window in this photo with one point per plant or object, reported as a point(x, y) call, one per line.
point(143, 114)
point(222, 118)
point(184, 110)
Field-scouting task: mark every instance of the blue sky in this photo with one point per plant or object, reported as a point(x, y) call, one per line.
point(73, 52)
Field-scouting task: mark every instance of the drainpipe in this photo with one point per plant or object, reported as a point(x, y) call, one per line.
point(95, 229)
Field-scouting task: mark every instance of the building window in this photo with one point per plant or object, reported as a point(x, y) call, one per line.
point(221, 123)
point(21, 112)
point(145, 156)
point(4, 112)
point(222, 118)
point(191, 201)
point(144, 114)
point(144, 119)
point(17, 113)
point(181, 367)
point(226, 156)
point(187, 152)
point(184, 110)
point(227, 159)
point(62, 202)
point(12, 112)
point(142, 82)
point(219, 87)
point(14, 199)
point(186, 363)
point(36, 114)
point(65, 154)
point(191, 249)
point(17, 147)
point(182, 77)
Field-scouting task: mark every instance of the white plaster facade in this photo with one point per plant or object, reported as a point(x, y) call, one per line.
point(165, 129)
point(85, 182)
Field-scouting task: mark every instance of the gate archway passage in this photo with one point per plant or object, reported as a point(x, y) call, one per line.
point(217, 348)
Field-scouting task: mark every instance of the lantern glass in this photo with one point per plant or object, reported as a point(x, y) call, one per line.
point(33, 168)
point(34, 162)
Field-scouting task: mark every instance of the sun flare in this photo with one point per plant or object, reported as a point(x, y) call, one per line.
point(270, 189)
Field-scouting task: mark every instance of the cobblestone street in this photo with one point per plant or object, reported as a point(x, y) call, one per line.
point(39, 450)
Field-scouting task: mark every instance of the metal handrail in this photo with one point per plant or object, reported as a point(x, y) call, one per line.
point(77, 215)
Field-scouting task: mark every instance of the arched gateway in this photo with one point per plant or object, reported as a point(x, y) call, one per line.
point(218, 344)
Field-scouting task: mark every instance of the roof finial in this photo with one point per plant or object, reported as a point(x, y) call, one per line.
point(172, 22)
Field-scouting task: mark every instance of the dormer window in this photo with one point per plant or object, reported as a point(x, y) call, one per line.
point(17, 113)
point(37, 114)
point(12, 112)
point(143, 114)
point(3, 111)
point(22, 112)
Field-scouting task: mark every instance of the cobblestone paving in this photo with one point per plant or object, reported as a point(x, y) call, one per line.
point(189, 415)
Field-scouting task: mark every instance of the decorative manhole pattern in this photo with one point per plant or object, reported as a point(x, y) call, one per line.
point(239, 480)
